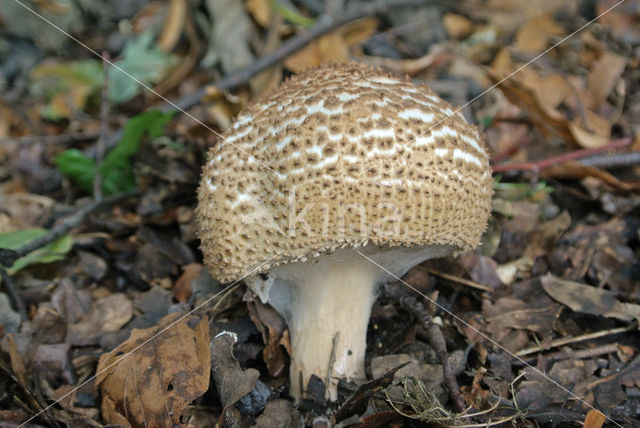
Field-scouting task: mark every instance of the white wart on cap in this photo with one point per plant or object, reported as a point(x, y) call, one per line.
point(339, 158)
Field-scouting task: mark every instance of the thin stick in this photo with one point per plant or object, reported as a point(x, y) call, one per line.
point(104, 126)
point(50, 139)
point(457, 279)
point(567, 340)
point(8, 257)
point(613, 161)
point(575, 355)
point(556, 160)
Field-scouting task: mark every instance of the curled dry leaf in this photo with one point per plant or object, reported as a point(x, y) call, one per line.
point(436, 57)
point(274, 334)
point(153, 385)
point(589, 300)
point(547, 119)
point(576, 170)
point(232, 382)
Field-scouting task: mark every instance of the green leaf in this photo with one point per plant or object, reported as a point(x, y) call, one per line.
point(78, 167)
point(141, 61)
point(116, 169)
point(51, 252)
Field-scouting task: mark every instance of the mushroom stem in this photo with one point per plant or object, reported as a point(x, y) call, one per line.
point(329, 327)
point(326, 302)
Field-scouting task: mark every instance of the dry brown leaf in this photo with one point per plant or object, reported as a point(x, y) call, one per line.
point(260, 10)
point(586, 139)
point(603, 76)
point(576, 170)
point(182, 287)
point(153, 385)
point(457, 26)
point(232, 382)
point(553, 90)
point(588, 299)
point(275, 334)
point(358, 31)
point(17, 364)
point(107, 314)
point(544, 237)
point(594, 419)
point(436, 57)
point(535, 34)
point(502, 64)
point(173, 25)
point(224, 105)
point(331, 47)
point(548, 120)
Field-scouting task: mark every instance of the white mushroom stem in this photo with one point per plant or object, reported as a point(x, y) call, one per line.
point(326, 302)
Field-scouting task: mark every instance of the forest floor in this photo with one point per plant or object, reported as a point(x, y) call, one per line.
point(99, 256)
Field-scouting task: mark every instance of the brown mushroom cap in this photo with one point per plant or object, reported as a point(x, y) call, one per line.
point(341, 155)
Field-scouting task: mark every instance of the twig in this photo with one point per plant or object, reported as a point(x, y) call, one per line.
point(325, 25)
point(8, 257)
point(436, 339)
point(613, 161)
point(567, 340)
point(50, 139)
point(104, 125)
point(574, 355)
point(457, 279)
point(556, 160)
point(13, 292)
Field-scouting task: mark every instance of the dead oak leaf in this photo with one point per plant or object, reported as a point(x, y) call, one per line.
point(153, 385)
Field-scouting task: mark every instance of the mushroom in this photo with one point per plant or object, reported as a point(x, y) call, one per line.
point(335, 182)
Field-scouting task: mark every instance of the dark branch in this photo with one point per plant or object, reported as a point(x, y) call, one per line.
point(436, 339)
point(8, 257)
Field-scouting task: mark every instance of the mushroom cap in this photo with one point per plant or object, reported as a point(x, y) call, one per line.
point(341, 155)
